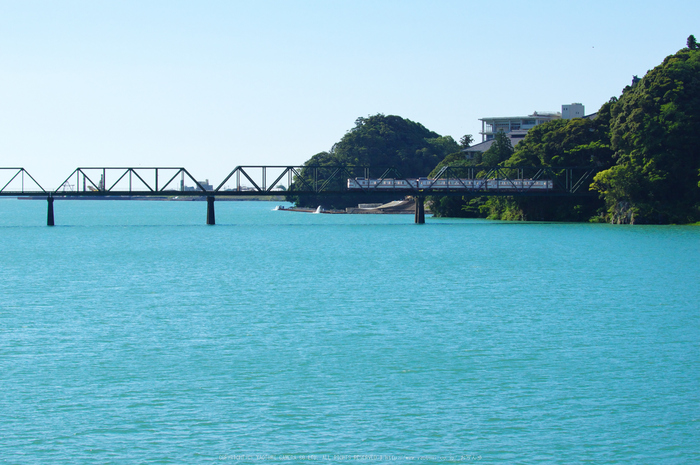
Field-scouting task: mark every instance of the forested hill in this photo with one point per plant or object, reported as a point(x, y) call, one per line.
point(655, 135)
point(383, 141)
point(645, 145)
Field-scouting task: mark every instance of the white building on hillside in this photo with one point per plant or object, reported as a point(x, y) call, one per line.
point(516, 127)
point(575, 110)
point(491, 126)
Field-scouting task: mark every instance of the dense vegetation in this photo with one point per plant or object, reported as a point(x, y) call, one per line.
point(645, 147)
point(381, 142)
point(655, 133)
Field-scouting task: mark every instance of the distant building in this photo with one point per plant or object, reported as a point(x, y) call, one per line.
point(575, 110)
point(491, 126)
point(522, 124)
point(514, 136)
point(205, 184)
point(516, 127)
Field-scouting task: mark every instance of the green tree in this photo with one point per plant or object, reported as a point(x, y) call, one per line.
point(466, 141)
point(380, 142)
point(573, 142)
point(644, 145)
point(457, 161)
point(500, 151)
point(452, 206)
point(655, 135)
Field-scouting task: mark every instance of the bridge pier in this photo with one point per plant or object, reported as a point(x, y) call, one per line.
point(420, 210)
point(49, 215)
point(210, 210)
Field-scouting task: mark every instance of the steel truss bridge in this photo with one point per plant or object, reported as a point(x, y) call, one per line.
point(260, 181)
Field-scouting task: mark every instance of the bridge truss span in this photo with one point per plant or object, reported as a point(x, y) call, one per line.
point(18, 181)
point(311, 180)
point(452, 180)
point(278, 180)
point(139, 181)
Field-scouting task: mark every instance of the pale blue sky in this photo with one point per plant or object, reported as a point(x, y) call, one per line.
point(210, 85)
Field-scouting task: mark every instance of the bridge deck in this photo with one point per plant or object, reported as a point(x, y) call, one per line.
point(300, 180)
point(249, 181)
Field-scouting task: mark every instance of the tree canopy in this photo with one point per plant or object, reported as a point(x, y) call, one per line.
point(380, 141)
point(572, 142)
point(644, 145)
point(393, 141)
point(655, 135)
point(466, 141)
point(500, 151)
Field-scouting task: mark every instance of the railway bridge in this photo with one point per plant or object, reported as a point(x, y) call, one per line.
point(314, 180)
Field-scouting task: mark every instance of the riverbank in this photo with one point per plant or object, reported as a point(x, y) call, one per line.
point(397, 207)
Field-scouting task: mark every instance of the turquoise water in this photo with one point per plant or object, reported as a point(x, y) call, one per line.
point(131, 332)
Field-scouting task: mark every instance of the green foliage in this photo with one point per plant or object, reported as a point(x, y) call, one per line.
point(393, 141)
point(691, 43)
point(500, 151)
point(466, 141)
point(453, 206)
point(541, 208)
point(502, 208)
point(468, 206)
point(454, 160)
point(378, 141)
point(645, 146)
point(655, 135)
point(456, 207)
point(573, 142)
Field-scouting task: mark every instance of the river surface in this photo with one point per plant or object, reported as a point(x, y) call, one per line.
point(131, 332)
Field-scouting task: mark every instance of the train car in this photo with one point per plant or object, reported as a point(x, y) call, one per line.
point(387, 183)
point(459, 184)
point(524, 184)
point(451, 184)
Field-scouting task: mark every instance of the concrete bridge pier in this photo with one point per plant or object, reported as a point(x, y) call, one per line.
point(49, 215)
point(210, 210)
point(420, 210)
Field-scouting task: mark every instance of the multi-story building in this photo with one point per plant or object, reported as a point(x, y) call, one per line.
point(491, 126)
point(575, 110)
point(516, 127)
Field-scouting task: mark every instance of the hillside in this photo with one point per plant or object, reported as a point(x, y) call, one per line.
point(644, 144)
point(379, 141)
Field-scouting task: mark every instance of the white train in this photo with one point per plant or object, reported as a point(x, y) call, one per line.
point(450, 184)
